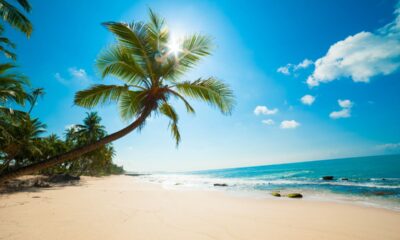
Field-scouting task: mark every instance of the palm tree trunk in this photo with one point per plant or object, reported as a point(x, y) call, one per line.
point(77, 151)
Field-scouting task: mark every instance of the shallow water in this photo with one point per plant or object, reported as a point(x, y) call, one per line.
point(368, 180)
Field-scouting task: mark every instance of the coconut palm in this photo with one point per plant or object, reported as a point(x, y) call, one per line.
point(150, 67)
point(13, 16)
point(25, 142)
point(36, 93)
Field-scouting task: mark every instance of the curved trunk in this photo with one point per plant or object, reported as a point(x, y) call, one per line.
point(75, 152)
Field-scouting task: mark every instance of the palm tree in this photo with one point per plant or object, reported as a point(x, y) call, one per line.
point(14, 17)
point(24, 144)
point(91, 130)
point(36, 93)
point(150, 67)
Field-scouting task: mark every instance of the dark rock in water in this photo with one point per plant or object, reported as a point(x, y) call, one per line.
point(220, 185)
point(344, 179)
point(41, 184)
point(383, 193)
point(276, 194)
point(136, 174)
point(63, 178)
point(327, 178)
point(294, 195)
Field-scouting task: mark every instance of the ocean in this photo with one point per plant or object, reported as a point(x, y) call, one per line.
point(371, 180)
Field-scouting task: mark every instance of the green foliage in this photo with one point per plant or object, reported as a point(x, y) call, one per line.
point(95, 163)
point(14, 17)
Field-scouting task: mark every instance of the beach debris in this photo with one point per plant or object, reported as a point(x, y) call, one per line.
point(294, 195)
point(63, 178)
point(41, 184)
point(327, 178)
point(276, 194)
point(220, 185)
point(36, 197)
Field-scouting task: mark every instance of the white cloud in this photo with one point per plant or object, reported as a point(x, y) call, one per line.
point(268, 122)
point(345, 112)
point(290, 68)
point(361, 56)
point(345, 103)
point(284, 69)
point(304, 64)
point(78, 73)
point(76, 77)
point(307, 99)
point(58, 77)
point(265, 110)
point(289, 124)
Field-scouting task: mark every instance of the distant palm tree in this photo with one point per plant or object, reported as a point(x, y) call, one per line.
point(14, 17)
point(36, 93)
point(150, 67)
point(24, 144)
point(91, 130)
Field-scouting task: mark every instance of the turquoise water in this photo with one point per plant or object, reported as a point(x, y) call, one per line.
point(377, 175)
point(366, 179)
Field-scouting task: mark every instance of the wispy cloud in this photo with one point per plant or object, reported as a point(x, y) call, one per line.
point(264, 110)
point(345, 112)
point(289, 124)
point(290, 68)
point(389, 147)
point(307, 99)
point(361, 56)
point(77, 76)
point(268, 122)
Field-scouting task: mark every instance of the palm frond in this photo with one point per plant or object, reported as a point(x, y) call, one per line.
point(134, 37)
point(8, 53)
point(14, 17)
point(189, 108)
point(157, 31)
point(170, 112)
point(25, 5)
point(212, 91)
point(131, 104)
point(7, 42)
point(194, 47)
point(116, 61)
point(99, 94)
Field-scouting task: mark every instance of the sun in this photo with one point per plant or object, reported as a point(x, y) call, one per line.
point(174, 46)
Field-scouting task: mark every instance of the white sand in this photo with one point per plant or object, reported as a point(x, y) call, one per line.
point(120, 207)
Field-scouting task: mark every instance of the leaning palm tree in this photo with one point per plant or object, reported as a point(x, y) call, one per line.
point(150, 67)
point(13, 16)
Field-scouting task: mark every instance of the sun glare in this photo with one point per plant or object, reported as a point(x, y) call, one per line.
point(174, 46)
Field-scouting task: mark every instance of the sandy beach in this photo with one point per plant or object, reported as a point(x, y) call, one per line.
point(121, 207)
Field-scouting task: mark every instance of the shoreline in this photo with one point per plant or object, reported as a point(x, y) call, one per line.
point(122, 207)
point(308, 194)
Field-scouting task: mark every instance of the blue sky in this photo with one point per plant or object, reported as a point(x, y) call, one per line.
point(313, 79)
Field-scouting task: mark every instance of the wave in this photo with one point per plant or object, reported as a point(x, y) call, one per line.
point(260, 181)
